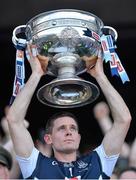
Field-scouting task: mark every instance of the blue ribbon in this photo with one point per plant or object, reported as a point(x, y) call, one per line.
point(20, 69)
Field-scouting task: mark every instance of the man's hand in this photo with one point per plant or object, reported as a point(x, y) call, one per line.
point(94, 66)
point(38, 63)
point(90, 61)
point(101, 111)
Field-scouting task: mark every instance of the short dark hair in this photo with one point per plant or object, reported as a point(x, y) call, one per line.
point(50, 122)
point(40, 135)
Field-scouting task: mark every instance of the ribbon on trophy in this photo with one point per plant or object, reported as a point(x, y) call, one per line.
point(110, 55)
point(19, 69)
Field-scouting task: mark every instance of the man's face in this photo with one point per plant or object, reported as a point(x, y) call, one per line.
point(128, 175)
point(4, 172)
point(65, 137)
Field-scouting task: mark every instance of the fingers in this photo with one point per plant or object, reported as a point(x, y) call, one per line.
point(28, 52)
point(100, 53)
point(44, 62)
point(43, 58)
point(90, 61)
point(38, 62)
point(31, 51)
point(34, 50)
point(95, 68)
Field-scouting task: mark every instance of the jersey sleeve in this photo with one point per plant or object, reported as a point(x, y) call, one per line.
point(27, 165)
point(108, 162)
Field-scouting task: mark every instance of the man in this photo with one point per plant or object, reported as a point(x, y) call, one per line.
point(5, 163)
point(128, 173)
point(63, 133)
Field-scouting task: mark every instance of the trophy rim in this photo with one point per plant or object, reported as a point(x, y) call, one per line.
point(36, 17)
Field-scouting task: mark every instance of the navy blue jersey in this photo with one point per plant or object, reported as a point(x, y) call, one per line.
point(86, 167)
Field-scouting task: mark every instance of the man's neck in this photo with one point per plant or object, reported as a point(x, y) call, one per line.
point(65, 157)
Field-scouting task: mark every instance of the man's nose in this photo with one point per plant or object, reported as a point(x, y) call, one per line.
point(68, 132)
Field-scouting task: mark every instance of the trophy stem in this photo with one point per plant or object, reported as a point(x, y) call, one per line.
point(66, 72)
point(66, 65)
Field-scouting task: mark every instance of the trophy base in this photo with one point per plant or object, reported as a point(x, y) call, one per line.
point(68, 93)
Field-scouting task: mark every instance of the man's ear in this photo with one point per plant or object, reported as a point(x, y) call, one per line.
point(79, 137)
point(47, 139)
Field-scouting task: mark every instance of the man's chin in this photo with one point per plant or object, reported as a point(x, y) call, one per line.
point(69, 150)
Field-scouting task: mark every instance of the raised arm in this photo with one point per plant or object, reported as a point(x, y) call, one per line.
point(21, 138)
point(113, 139)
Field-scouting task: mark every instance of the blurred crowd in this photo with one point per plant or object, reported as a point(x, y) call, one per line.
point(126, 165)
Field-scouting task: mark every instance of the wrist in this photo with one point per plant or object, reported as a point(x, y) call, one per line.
point(101, 77)
point(37, 74)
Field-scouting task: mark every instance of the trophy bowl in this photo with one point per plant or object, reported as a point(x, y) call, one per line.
point(67, 37)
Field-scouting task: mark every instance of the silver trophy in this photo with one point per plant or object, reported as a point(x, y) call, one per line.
point(66, 37)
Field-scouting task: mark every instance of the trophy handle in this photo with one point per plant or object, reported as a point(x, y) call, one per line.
point(108, 30)
point(18, 30)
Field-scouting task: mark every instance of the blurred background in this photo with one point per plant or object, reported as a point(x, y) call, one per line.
point(119, 14)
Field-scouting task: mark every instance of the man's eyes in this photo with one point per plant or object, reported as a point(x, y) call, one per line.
point(72, 128)
point(61, 128)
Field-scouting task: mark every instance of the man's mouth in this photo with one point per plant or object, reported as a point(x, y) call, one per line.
point(69, 140)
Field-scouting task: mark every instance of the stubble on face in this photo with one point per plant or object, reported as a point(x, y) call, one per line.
point(65, 136)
